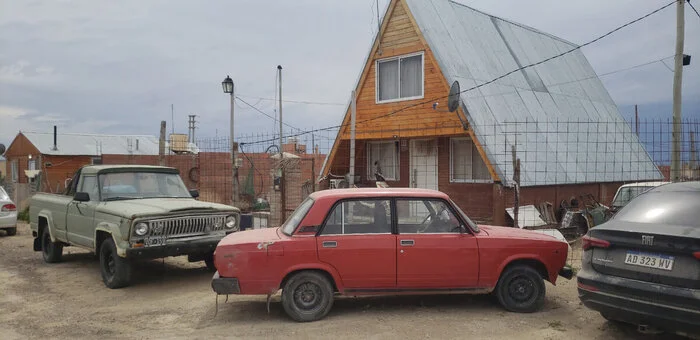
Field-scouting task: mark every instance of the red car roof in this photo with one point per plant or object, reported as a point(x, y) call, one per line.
point(377, 192)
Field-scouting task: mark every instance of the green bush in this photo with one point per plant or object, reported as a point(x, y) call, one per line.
point(23, 215)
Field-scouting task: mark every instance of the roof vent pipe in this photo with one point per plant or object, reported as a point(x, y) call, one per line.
point(55, 136)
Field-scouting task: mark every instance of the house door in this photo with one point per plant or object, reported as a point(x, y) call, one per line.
point(424, 164)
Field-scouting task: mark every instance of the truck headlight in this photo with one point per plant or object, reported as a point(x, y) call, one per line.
point(231, 222)
point(141, 229)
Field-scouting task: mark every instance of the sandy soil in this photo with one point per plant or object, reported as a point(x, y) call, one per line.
point(172, 299)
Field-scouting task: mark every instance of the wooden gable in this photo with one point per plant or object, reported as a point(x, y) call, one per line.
point(401, 36)
point(21, 146)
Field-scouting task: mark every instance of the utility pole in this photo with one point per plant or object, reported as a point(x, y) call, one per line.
point(283, 184)
point(161, 144)
point(677, 92)
point(191, 128)
point(353, 109)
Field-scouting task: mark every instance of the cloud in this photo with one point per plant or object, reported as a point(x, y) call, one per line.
point(116, 67)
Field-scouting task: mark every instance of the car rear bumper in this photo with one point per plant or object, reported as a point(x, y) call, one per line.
point(225, 285)
point(8, 221)
point(641, 303)
point(193, 247)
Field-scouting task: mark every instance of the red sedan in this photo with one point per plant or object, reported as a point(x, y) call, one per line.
point(386, 241)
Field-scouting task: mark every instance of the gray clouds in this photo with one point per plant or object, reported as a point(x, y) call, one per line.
point(115, 67)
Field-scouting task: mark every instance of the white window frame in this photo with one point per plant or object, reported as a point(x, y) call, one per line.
point(452, 160)
point(14, 171)
point(397, 160)
point(399, 99)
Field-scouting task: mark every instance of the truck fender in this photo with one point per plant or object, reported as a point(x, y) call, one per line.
point(113, 230)
point(49, 224)
point(316, 266)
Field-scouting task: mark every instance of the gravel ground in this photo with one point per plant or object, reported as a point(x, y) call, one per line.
point(172, 299)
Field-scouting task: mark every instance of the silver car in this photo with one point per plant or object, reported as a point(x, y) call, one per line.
point(8, 213)
point(643, 266)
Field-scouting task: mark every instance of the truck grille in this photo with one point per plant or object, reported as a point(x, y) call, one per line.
point(186, 226)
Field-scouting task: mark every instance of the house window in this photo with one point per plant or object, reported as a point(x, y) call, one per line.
point(466, 164)
point(383, 158)
point(400, 78)
point(31, 164)
point(14, 169)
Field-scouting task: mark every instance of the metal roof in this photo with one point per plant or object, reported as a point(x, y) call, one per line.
point(70, 144)
point(529, 109)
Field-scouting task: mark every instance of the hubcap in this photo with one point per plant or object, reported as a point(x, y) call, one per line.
point(521, 289)
point(307, 296)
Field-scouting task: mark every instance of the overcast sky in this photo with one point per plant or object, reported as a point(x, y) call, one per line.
point(94, 66)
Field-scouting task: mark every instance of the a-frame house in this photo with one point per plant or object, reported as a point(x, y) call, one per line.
point(566, 128)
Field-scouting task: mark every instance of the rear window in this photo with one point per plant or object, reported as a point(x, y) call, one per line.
point(666, 207)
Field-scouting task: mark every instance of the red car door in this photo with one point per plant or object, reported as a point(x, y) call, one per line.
point(357, 241)
point(432, 251)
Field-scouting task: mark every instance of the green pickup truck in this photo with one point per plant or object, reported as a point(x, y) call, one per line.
point(129, 212)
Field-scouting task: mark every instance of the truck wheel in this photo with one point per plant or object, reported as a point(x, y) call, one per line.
point(307, 296)
point(11, 231)
point(521, 289)
point(52, 251)
point(116, 271)
point(209, 261)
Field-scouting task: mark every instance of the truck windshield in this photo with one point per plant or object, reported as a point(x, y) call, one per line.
point(139, 185)
point(626, 194)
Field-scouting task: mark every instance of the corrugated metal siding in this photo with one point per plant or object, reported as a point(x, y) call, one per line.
point(535, 109)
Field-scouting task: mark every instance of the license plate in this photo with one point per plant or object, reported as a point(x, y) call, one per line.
point(155, 241)
point(663, 262)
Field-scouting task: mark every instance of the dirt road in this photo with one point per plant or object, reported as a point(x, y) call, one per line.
point(172, 299)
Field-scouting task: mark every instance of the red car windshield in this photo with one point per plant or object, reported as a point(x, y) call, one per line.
point(293, 221)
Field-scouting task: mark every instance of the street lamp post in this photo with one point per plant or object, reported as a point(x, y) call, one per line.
point(228, 87)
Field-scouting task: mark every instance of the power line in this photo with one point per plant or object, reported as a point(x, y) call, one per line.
point(265, 114)
point(490, 81)
point(693, 7)
point(295, 101)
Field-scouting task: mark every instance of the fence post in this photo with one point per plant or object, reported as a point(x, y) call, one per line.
point(516, 187)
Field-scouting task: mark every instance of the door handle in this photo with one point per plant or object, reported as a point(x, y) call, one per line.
point(329, 244)
point(407, 243)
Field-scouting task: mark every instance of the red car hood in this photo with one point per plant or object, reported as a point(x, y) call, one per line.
point(250, 236)
point(508, 232)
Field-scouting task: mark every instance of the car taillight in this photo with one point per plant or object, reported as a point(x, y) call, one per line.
point(697, 255)
point(8, 207)
point(592, 242)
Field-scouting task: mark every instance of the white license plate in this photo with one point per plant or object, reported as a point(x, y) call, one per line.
point(663, 262)
point(155, 241)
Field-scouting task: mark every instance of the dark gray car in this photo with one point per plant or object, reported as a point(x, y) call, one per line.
point(643, 266)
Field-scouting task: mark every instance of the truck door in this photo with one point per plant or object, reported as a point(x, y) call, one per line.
point(80, 216)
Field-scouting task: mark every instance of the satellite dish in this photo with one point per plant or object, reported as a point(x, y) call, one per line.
point(2, 149)
point(453, 97)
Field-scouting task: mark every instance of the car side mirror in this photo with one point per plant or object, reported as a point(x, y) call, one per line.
point(194, 193)
point(81, 197)
point(462, 229)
